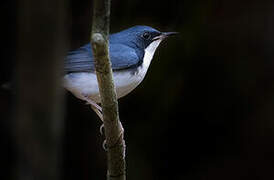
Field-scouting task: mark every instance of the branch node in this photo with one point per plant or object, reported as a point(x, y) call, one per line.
point(98, 39)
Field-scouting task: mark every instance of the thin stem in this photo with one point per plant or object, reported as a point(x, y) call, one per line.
point(114, 131)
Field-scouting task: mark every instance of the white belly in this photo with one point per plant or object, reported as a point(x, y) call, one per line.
point(84, 83)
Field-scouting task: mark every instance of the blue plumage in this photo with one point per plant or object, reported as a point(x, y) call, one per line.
point(126, 50)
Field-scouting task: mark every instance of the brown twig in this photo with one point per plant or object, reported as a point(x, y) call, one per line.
point(113, 129)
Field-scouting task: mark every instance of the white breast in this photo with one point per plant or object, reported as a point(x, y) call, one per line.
point(125, 81)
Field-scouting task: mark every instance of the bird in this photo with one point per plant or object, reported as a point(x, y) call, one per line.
point(131, 52)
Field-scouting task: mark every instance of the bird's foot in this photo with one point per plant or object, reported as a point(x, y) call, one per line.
point(98, 110)
point(115, 142)
point(104, 145)
point(102, 129)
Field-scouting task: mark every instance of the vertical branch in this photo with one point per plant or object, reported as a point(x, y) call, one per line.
point(113, 128)
point(38, 119)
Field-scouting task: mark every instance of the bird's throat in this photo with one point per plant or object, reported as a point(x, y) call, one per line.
point(149, 52)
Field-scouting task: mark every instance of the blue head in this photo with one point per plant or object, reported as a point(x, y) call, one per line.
point(139, 36)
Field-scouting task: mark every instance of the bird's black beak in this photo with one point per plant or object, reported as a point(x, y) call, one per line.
point(164, 35)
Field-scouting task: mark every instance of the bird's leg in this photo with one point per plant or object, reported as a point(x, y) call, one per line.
point(99, 113)
point(97, 109)
point(94, 105)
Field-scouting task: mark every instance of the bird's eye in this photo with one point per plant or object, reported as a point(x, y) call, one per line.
point(146, 35)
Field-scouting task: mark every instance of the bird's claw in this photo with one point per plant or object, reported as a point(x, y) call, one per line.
point(104, 145)
point(102, 129)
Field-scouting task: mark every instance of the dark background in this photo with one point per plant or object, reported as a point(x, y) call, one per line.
point(205, 109)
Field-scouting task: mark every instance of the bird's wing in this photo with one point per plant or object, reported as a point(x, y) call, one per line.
point(124, 57)
point(79, 60)
point(82, 60)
